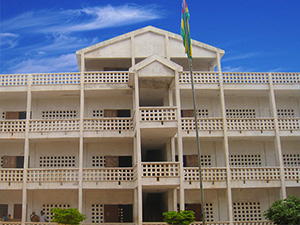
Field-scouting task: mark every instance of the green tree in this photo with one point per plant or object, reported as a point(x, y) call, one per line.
point(67, 216)
point(284, 212)
point(179, 218)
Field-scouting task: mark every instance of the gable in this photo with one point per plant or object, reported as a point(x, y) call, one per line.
point(156, 69)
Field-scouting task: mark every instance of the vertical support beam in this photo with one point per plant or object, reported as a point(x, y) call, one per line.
point(173, 153)
point(179, 141)
point(167, 52)
point(80, 196)
point(138, 151)
point(26, 150)
point(132, 51)
point(225, 140)
point(277, 137)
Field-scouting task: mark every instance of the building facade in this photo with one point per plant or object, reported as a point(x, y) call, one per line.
point(117, 139)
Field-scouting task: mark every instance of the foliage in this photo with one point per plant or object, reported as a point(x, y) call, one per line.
point(67, 216)
point(284, 212)
point(179, 218)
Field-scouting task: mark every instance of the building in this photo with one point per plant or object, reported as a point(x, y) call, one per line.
point(117, 139)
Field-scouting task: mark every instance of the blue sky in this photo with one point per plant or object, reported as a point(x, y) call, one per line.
point(42, 36)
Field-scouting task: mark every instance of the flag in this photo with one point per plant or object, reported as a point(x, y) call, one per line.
point(185, 31)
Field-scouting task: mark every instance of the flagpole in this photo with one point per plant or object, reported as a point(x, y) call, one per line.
point(198, 141)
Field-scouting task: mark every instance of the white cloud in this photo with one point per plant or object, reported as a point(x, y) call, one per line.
point(8, 40)
point(240, 56)
point(84, 19)
point(63, 63)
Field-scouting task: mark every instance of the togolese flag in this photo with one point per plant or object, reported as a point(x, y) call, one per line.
point(185, 31)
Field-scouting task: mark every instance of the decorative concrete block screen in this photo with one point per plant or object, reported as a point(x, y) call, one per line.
point(97, 213)
point(245, 160)
point(291, 159)
point(285, 113)
point(57, 161)
point(1, 161)
point(240, 113)
point(98, 161)
point(209, 212)
point(202, 113)
point(98, 113)
point(47, 207)
point(246, 211)
point(59, 114)
point(205, 160)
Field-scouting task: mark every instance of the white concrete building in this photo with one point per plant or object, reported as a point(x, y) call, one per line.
point(117, 139)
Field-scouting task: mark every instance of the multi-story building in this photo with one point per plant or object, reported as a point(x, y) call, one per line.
point(117, 139)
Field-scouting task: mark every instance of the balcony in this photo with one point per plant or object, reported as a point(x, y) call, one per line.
point(292, 176)
point(108, 177)
point(108, 127)
point(212, 177)
point(255, 177)
point(160, 173)
point(241, 126)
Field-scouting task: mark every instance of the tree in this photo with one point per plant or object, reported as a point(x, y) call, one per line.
point(179, 218)
point(284, 212)
point(67, 216)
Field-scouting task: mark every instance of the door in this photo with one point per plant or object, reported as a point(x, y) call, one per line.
point(111, 161)
point(9, 162)
point(191, 160)
point(17, 211)
point(111, 213)
point(187, 113)
point(125, 213)
point(196, 208)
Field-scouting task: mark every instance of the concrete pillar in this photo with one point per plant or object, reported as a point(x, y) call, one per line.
point(26, 150)
point(225, 140)
point(277, 137)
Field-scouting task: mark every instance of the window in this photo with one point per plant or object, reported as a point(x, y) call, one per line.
point(14, 115)
point(245, 160)
point(285, 113)
point(291, 159)
point(246, 211)
point(97, 213)
point(59, 114)
point(201, 113)
point(240, 113)
point(57, 161)
point(47, 207)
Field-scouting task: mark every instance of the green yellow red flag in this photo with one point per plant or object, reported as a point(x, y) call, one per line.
point(185, 31)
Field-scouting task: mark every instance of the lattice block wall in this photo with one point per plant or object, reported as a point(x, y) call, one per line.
point(99, 113)
point(209, 212)
point(202, 113)
point(47, 207)
point(285, 113)
point(59, 114)
point(57, 161)
point(98, 161)
point(246, 211)
point(291, 159)
point(97, 213)
point(245, 160)
point(205, 160)
point(240, 113)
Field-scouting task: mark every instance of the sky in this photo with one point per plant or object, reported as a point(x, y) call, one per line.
point(42, 36)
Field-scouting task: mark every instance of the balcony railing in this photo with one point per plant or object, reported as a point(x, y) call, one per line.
point(12, 126)
point(289, 123)
point(107, 124)
point(158, 114)
point(162, 170)
point(112, 77)
point(209, 124)
point(260, 222)
point(244, 124)
point(255, 173)
point(208, 174)
point(292, 173)
point(55, 78)
point(52, 175)
point(107, 174)
point(54, 125)
point(117, 77)
point(11, 175)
